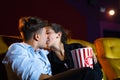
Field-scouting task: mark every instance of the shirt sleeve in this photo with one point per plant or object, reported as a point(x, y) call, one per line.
point(26, 67)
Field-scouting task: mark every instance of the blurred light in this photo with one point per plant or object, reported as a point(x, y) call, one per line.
point(102, 9)
point(111, 12)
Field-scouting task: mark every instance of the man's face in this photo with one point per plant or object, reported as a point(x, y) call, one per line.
point(43, 38)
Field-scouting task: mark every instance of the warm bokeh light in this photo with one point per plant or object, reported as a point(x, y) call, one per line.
point(111, 12)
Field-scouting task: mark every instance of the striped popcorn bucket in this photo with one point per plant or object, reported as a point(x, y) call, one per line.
point(82, 57)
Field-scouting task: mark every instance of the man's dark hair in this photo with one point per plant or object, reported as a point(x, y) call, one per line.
point(29, 25)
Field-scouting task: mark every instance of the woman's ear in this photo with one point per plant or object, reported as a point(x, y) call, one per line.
point(59, 34)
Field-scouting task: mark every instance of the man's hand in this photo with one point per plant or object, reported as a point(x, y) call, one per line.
point(44, 76)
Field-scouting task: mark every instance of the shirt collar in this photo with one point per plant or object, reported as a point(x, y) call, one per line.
point(46, 52)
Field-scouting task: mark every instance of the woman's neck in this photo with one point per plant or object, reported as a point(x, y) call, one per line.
point(59, 51)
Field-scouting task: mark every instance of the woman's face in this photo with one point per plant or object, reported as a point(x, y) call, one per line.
point(53, 37)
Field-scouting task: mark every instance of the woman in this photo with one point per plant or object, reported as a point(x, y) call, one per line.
point(60, 52)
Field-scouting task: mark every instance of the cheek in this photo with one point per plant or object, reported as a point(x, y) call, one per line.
point(51, 37)
point(52, 40)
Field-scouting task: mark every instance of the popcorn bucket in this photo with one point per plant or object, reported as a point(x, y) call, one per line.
point(82, 57)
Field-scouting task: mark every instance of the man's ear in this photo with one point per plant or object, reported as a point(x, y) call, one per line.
point(36, 37)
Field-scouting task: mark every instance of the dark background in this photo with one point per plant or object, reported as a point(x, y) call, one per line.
point(81, 17)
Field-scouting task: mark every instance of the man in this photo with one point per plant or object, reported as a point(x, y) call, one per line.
point(27, 60)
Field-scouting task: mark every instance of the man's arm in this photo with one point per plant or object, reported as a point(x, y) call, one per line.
point(44, 77)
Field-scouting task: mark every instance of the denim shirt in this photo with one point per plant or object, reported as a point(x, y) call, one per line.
point(26, 62)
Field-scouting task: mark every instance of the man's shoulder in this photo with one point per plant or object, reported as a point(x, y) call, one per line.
point(18, 45)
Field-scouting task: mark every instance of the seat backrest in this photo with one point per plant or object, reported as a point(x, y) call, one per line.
point(83, 42)
point(108, 53)
point(86, 43)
